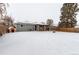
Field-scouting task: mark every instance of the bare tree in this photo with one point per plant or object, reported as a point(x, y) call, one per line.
point(50, 23)
point(8, 21)
point(3, 11)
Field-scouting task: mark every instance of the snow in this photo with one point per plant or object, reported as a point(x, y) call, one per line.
point(39, 43)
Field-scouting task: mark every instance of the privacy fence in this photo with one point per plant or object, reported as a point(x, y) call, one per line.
point(68, 29)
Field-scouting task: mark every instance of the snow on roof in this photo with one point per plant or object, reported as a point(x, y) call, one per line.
point(34, 23)
point(39, 23)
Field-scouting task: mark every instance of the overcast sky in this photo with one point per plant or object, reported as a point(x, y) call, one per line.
point(35, 12)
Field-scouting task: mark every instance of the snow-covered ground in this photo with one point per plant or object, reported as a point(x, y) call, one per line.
point(44, 43)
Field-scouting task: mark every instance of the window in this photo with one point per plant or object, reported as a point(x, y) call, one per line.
point(21, 25)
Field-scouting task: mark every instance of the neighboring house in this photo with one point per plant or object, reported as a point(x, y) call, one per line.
point(31, 27)
point(77, 28)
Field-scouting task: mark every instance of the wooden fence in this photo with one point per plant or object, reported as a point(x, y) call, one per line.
point(2, 30)
point(68, 29)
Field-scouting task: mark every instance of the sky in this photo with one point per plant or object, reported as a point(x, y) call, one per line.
point(35, 12)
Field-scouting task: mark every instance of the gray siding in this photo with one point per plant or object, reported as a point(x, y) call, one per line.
point(24, 27)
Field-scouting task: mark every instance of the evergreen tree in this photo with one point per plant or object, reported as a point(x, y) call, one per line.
point(68, 15)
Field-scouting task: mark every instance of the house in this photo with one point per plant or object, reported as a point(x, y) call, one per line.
point(31, 27)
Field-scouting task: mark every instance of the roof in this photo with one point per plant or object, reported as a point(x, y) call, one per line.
point(30, 23)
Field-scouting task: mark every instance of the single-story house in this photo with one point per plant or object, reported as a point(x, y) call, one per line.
point(31, 27)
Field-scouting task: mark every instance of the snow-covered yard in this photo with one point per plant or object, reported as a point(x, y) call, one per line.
point(44, 43)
